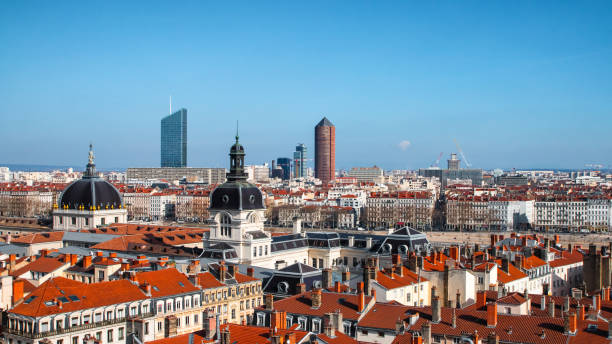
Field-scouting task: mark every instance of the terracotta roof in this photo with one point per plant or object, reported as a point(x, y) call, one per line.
point(567, 258)
point(512, 299)
point(533, 262)
point(37, 238)
point(208, 280)
point(330, 302)
point(166, 282)
point(245, 334)
point(198, 337)
point(86, 296)
point(43, 264)
point(394, 280)
point(512, 275)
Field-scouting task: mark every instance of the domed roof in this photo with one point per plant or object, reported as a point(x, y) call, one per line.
point(236, 193)
point(90, 191)
point(236, 196)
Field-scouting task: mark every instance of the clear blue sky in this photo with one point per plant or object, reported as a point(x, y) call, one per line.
point(518, 84)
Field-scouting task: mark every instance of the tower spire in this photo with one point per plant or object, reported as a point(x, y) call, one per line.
point(236, 131)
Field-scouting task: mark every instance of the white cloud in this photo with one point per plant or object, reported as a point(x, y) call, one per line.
point(405, 144)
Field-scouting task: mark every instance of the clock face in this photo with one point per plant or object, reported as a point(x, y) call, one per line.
point(225, 199)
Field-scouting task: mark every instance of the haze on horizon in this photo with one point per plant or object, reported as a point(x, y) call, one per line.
point(521, 84)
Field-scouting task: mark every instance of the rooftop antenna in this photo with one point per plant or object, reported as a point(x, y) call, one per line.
point(171, 105)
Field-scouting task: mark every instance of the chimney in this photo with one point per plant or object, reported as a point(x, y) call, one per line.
point(209, 325)
point(416, 338)
point(504, 264)
point(316, 298)
point(74, 258)
point(290, 338)
point(222, 270)
point(545, 288)
point(269, 301)
point(597, 303)
point(373, 294)
point(250, 272)
point(566, 304)
point(609, 329)
point(569, 247)
point(337, 287)
point(301, 288)
point(551, 307)
point(604, 293)
point(278, 320)
point(86, 261)
point(327, 278)
point(99, 254)
point(453, 251)
point(573, 323)
point(43, 253)
point(481, 299)
point(454, 320)
point(543, 302)
point(492, 338)
point(580, 312)
point(426, 331)
point(17, 290)
point(492, 314)
point(436, 310)
point(112, 255)
point(346, 275)
point(458, 299)
point(360, 301)
point(493, 241)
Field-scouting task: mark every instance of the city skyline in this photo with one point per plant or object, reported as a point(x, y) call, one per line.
point(521, 85)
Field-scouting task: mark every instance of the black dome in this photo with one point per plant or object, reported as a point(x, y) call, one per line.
point(88, 192)
point(236, 196)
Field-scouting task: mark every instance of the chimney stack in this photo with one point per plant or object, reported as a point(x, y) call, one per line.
point(346, 275)
point(492, 338)
point(327, 278)
point(301, 288)
point(426, 332)
point(17, 290)
point(597, 303)
point(436, 310)
point(492, 314)
point(551, 307)
point(454, 320)
point(543, 302)
point(250, 272)
point(360, 301)
point(573, 323)
point(481, 299)
point(316, 298)
point(269, 301)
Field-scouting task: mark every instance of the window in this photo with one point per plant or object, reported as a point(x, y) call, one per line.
point(160, 327)
point(316, 325)
point(314, 262)
point(98, 317)
point(74, 322)
point(86, 224)
point(109, 315)
point(226, 229)
point(116, 219)
point(102, 221)
point(75, 340)
point(187, 320)
point(254, 251)
point(195, 319)
point(120, 335)
point(133, 311)
point(260, 250)
point(145, 309)
point(302, 322)
point(187, 303)
point(177, 305)
point(99, 335)
point(59, 341)
point(508, 310)
point(120, 313)
point(233, 313)
point(260, 319)
point(101, 275)
point(146, 329)
point(74, 220)
point(86, 319)
point(44, 327)
point(109, 336)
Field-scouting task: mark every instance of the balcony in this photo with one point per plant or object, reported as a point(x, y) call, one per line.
point(76, 328)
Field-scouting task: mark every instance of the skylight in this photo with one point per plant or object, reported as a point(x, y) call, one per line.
point(155, 288)
point(49, 303)
point(29, 299)
point(63, 299)
point(181, 284)
point(73, 297)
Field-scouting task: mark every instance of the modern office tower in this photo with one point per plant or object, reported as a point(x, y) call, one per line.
point(174, 139)
point(453, 162)
point(299, 161)
point(285, 164)
point(325, 151)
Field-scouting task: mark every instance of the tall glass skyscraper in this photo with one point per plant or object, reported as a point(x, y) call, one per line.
point(174, 139)
point(299, 161)
point(285, 164)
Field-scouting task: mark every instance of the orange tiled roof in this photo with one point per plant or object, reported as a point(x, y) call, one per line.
point(37, 238)
point(330, 302)
point(89, 296)
point(166, 282)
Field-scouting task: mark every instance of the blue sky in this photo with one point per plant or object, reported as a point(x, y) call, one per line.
point(518, 84)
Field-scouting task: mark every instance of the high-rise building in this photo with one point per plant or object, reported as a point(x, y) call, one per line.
point(299, 161)
point(325, 151)
point(453, 162)
point(285, 164)
point(174, 139)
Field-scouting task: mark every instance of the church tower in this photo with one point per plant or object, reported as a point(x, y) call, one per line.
point(238, 213)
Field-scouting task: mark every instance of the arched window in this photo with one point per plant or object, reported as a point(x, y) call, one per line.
point(226, 225)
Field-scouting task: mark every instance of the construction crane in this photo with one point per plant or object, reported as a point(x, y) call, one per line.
point(467, 163)
point(437, 163)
